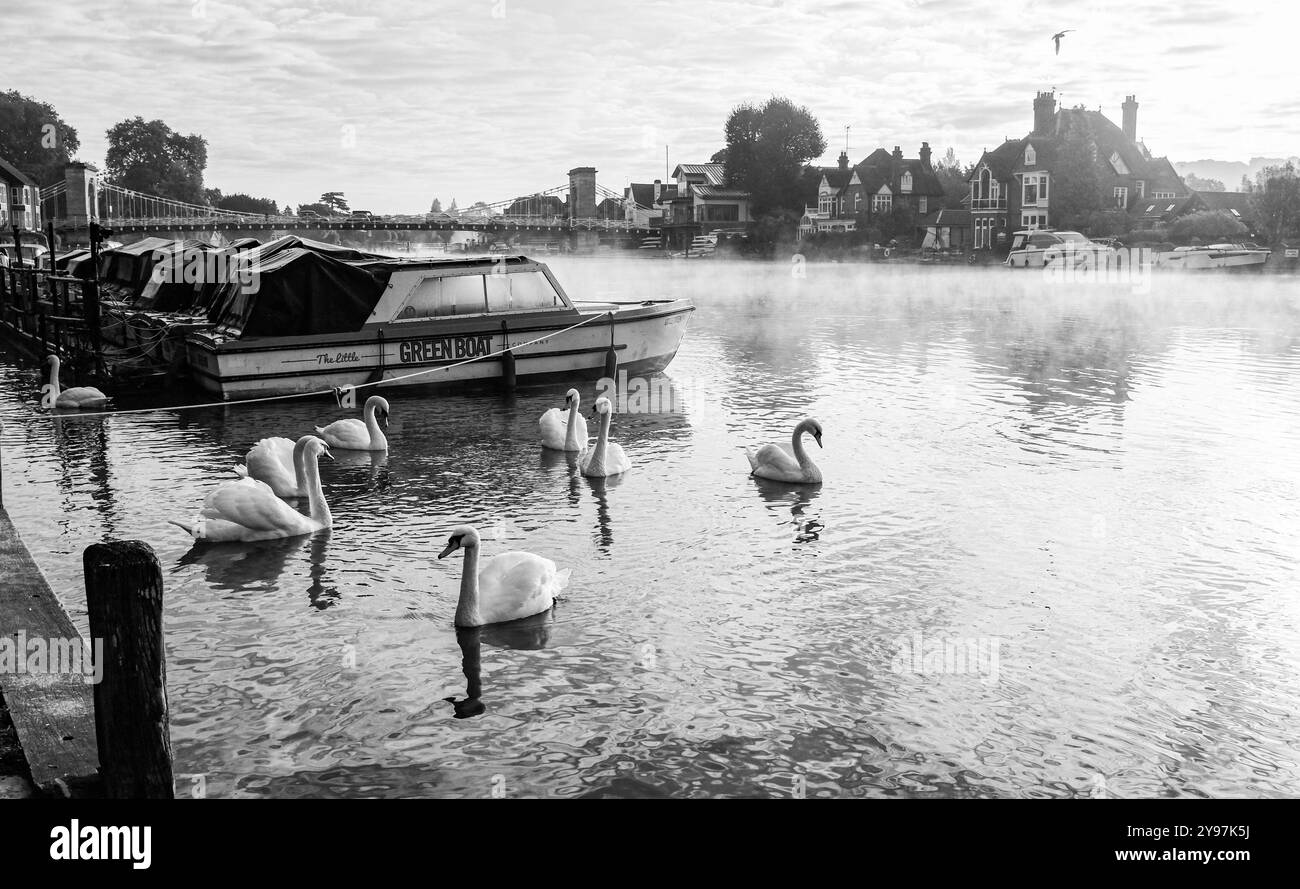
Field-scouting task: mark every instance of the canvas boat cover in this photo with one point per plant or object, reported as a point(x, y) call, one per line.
point(302, 290)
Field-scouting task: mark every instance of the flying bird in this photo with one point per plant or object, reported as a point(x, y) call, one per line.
point(1056, 38)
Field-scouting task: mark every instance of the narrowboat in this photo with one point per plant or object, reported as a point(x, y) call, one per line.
point(307, 321)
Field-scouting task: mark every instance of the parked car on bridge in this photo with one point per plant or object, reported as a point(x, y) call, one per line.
point(362, 216)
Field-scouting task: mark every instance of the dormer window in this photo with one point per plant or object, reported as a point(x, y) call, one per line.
point(1117, 164)
point(906, 184)
point(1031, 157)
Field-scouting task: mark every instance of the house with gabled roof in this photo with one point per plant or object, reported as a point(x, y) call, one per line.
point(1011, 187)
point(849, 196)
point(20, 203)
point(703, 197)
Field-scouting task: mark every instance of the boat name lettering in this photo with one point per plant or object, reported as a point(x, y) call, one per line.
point(445, 348)
point(337, 358)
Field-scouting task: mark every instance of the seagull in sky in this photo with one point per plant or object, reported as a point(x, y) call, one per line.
point(1056, 38)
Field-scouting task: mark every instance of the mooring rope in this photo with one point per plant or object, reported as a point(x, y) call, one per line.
point(331, 390)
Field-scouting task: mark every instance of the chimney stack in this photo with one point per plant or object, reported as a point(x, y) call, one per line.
point(1130, 118)
point(1044, 113)
point(659, 186)
point(844, 160)
point(925, 155)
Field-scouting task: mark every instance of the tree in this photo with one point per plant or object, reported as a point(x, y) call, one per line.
point(1075, 187)
point(436, 206)
point(1276, 201)
point(34, 138)
point(767, 150)
point(954, 179)
point(335, 201)
point(1196, 183)
point(1207, 225)
point(149, 156)
point(246, 204)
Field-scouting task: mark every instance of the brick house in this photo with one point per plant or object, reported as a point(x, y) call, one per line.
point(850, 197)
point(1011, 186)
point(20, 204)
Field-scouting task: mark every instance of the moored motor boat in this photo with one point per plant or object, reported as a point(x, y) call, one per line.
point(316, 322)
point(1214, 256)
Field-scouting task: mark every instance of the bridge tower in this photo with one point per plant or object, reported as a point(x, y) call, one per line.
point(582, 193)
point(80, 204)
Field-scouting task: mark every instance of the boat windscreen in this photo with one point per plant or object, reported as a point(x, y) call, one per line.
point(443, 296)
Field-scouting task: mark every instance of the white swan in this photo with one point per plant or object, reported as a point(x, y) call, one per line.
point(248, 509)
point(565, 430)
point(78, 397)
point(510, 586)
point(774, 462)
point(279, 463)
point(607, 457)
point(353, 434)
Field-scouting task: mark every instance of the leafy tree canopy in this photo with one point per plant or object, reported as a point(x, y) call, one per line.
point(34, 138)
point(767, 148)
point(1276, 201)
point(149, 156)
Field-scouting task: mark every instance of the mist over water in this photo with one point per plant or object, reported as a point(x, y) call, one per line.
point(1095, 489)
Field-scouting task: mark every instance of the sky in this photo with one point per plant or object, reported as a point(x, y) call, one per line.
point(396, 102)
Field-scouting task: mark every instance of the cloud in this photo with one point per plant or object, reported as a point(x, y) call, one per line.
point(487, 99)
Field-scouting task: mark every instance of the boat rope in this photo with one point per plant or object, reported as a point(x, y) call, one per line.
point(331, 391)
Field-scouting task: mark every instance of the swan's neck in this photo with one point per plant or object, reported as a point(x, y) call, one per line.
point(598, 455)
point(467, 609)
point(320, 510)
point(300, 466)
point(571, 435)
point(796, 440)
point(54, 379)
point(372, 426)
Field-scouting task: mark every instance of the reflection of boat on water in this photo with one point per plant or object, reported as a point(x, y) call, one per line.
point(316, 321)
point(1236, 257)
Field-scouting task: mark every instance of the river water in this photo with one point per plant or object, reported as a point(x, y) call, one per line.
point(1055, 555)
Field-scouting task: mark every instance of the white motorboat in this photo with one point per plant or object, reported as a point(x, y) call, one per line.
point(1214, 256)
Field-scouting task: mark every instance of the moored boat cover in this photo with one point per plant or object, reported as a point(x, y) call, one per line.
point(301, 291)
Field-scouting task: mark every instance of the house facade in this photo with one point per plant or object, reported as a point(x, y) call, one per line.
point(1011, 186)
point(20, 204)
point(849, 197)
point(701, 196)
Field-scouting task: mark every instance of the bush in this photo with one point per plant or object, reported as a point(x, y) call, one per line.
point(1207, 226)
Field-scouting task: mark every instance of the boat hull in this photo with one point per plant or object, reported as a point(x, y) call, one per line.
point(1211, 260)
point(444, 353)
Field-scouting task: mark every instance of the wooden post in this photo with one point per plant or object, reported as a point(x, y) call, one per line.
point(124, 598)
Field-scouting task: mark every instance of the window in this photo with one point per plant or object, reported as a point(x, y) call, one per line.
point(441, 297)
point(1162, 194)
point(520, 290)
point(1150, 207)
point(1031, 157)
point(1233, 211)
point(16, 195)
point(857, 202)
point(923, 205)
point(1121, 196)
point(1142, 188)
point(1035, 189)
point(881, 203)
point(1033, 220)
point(1117, 164)
point(722, 213)
point(906, 184)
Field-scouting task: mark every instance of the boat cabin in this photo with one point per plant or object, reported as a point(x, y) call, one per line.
point(458, 288)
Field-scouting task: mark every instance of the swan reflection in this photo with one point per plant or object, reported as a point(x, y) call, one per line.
point(779, 495)
point(527, 634)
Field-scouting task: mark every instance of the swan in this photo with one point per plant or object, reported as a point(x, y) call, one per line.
point(510, 586)
point(354, 435)
point(774, 462)
point(607, 457)
point(565, 430)
point(248, 509)
point(279, 463)
point(78, 397)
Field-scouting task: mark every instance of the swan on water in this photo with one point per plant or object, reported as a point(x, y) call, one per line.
point(248, 509)
point(78, 397)
point(355, 435)
point(510, 586)
point(279, 463)
point(565, 430)
point(607, 457)
point(774, 462)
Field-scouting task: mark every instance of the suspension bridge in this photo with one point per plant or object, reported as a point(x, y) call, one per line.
point(581, 205)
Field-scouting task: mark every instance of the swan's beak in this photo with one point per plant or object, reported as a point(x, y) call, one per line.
point(384, 418)
point(451, 548)
point(819, 440)
point(326, 453)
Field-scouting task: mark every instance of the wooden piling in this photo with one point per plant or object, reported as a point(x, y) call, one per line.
point(124, 598)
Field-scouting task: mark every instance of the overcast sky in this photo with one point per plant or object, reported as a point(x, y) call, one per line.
point(397, 102)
